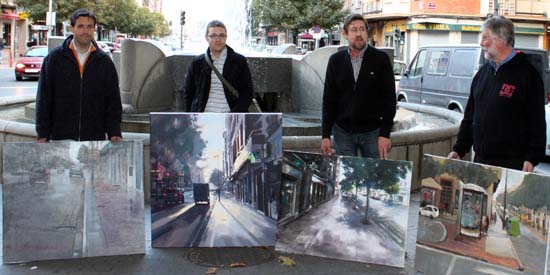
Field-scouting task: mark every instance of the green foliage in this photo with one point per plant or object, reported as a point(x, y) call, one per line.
point(467, 172)
point(373, 173)
point(121, 15)
point(300, 14)
point(392, 189)
point(83, 154)
point(534, 193)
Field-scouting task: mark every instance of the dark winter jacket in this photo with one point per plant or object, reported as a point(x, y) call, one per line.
point(504, 118)
point(361, 106)
point(197, 83)
point(71, 106)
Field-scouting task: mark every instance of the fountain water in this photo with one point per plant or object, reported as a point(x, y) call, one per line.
point(235, 14)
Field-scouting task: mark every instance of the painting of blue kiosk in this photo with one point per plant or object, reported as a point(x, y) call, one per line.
point(472, 221)
point(490, 214)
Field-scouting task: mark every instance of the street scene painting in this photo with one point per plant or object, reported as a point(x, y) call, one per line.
point(491, 214)
point(346, 208)
point(215, 179)
point(66, 200)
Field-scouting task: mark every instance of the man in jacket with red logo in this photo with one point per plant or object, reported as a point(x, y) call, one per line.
point(504, 119)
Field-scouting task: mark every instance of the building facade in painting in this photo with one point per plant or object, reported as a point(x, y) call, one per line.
point(253, 159)
point(308, 180)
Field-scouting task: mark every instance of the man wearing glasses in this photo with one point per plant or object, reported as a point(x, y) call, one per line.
point(204, 91)
point(359, 97)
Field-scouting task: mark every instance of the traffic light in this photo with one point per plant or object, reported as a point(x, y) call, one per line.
point(397, 34)
point(182, 18)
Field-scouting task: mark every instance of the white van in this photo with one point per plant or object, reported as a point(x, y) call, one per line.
point(441, 75)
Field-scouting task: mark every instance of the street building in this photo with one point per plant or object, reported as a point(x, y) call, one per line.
point(253, 159)
point(408, 25)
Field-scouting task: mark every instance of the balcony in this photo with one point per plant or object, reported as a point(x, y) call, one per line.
point(520, 7)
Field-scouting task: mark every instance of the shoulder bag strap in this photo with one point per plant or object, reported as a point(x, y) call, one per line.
point(220, 76)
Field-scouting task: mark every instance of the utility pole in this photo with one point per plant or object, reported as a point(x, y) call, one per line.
point(495, 4)
point(51, 18)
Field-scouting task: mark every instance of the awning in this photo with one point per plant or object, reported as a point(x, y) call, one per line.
point(305, 36)
point(431, 183)
point(10, 16)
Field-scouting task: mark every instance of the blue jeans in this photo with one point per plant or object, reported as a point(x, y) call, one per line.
point(347, 144)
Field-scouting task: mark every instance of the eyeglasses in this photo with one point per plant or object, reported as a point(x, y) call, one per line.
point(217, 36)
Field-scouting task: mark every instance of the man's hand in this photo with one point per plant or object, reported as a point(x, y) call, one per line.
point(42, 140)
point(116, 138)
point(453, 155)
point(528, 166)
point(326, 148)
point(384, 147)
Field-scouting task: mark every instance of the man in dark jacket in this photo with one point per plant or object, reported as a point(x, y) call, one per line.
point(204, 91)
point(78, 96)
point(504, 118)
point(359, 101)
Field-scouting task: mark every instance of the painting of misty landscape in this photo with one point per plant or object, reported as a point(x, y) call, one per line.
point(495, 215)
point(215, 179)
point(72, 200)
point(345, 208)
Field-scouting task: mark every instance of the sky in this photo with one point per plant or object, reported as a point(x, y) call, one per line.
point(212, 127)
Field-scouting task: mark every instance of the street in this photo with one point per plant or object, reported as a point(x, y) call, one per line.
point(333, 229)
point(44, 220)
point(224, 223)
point(531, 250)
point(10, 87)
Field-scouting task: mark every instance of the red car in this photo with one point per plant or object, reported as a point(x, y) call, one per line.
point(30, 62)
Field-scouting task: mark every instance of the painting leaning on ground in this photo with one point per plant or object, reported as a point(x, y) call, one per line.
point(489, 214)
point(215, 179)
point(345, 208)
point(66, 200)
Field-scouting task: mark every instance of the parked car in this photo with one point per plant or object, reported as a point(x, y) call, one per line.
point(39, 174)
point(111, 45)
point(201, 193)
point(442, 75)
point(399, 68)
point(30, 63)
point(429, 211)
point(103, 46)
point(172, 195)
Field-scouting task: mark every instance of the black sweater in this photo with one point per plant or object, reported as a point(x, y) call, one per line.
point(71, 106)
point(504, 117)
point(361, 106)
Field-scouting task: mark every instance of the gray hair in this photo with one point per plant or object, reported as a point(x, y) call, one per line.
point(501, 27)
point(215, 23)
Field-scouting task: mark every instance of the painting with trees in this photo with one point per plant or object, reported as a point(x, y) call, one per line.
point(492, 214)
point(346, 208)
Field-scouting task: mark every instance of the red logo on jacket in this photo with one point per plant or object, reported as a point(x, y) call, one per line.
point(507, 90)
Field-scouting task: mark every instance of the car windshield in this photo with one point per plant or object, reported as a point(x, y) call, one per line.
point(36, 52)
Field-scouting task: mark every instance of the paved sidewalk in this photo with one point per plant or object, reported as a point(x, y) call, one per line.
point(495, 249)
point(5, 61)
point(179, 261)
